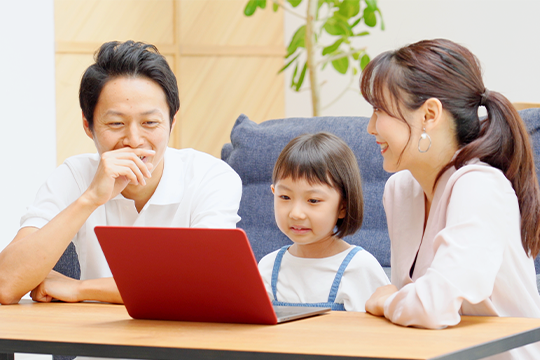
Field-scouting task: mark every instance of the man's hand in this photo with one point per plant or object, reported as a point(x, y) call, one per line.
point(56, 286)
point(375, 304)
point(117, 169)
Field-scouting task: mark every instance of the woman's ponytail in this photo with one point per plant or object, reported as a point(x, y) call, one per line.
point(503, 142)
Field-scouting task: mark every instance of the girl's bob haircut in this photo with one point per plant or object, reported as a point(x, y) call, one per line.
point(326, 159)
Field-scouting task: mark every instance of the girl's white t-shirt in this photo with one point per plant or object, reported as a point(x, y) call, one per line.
point(305, 280)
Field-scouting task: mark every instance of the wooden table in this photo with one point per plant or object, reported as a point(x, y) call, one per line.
point(96, 329)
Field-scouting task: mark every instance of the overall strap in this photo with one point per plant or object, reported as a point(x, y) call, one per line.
point(339, 275)
point(275, 269)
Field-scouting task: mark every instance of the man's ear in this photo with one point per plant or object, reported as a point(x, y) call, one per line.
point(173, 122)
point(87, 129)
point(273, 189)
point(433, 113)
point(342, 212)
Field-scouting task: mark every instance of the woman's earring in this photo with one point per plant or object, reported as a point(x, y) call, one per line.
point(424, 136)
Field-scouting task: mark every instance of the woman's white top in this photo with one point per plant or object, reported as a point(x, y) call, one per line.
point(307, 280)
point(195, 190)
point(469, 259)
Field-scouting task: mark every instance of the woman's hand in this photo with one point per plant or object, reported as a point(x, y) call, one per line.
point(117, 169)
point(375, 304)
point(56, 286)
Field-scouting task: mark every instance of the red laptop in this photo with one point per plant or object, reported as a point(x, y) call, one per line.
point(190, 274)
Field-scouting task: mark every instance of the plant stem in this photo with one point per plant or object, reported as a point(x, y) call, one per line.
point(279, 3)
point(339, 56)
point(310, 49)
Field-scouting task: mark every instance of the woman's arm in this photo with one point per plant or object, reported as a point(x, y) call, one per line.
point(481, 218)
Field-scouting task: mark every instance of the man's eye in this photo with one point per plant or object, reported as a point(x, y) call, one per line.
point(151, 123)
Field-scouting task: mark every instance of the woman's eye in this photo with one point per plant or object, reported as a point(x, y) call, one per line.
point(313, 201)
point(284, 197)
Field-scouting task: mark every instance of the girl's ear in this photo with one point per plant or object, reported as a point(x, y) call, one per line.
point(273, 189)
point(342, 210)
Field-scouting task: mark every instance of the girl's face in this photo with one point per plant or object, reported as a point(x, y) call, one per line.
point(392, 135)
point(307, 213)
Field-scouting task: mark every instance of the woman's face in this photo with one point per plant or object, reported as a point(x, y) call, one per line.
point(396, 139)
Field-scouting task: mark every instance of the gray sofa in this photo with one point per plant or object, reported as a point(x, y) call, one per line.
point(254, 148)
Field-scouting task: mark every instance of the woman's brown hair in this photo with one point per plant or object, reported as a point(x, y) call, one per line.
point(326, 159)
point(449, 72)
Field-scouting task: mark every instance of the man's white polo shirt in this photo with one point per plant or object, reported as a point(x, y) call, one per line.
point(195, 190)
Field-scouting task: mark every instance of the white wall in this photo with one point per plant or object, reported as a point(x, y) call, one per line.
point(27, 106)
point(504, 35)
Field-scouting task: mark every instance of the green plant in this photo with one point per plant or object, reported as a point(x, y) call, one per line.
point(327, 37)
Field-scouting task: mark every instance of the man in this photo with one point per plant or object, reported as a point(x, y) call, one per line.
point(129, 100)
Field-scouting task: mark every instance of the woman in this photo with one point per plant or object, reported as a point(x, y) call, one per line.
point(464, 219)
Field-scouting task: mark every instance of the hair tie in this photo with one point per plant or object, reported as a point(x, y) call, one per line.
point(484, 97)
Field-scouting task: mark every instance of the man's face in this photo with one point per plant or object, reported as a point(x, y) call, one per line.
point(132, 112)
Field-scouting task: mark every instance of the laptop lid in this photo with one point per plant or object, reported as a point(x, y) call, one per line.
point(188, 274)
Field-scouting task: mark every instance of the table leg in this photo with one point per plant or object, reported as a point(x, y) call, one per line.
point(7, 356)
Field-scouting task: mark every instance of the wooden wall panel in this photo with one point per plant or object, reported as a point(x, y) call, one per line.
point(226, 63)
point(216, 90)
point(99, 21)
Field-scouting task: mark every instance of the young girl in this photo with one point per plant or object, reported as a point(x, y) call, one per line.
point(317, 201)
point(464, 220)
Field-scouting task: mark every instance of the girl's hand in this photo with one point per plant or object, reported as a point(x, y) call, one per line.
point(117, 169)
point(375, 304)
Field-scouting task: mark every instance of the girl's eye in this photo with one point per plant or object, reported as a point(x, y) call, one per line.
point(284, 197)
point(313, 201)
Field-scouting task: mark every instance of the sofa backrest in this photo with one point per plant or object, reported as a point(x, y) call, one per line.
point(252, 153)
point(254, 149)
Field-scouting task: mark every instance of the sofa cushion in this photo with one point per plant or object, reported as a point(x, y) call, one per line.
point(252, 153)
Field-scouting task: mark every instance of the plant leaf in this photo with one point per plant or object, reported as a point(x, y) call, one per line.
point(301, 78)
point(372, 4)
point(330, 49)
point(349, 8)
point(336, 26)
point(363, 33)
point(364, 61)
point(356, 55)
point(294, 3)
point(354, 71)
point(250, 8)
point(298, 40)
point(369, 17)
point(341, 65)
point(275, 7)
point(293, 76)
point(288, 64)
point(262, 4)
